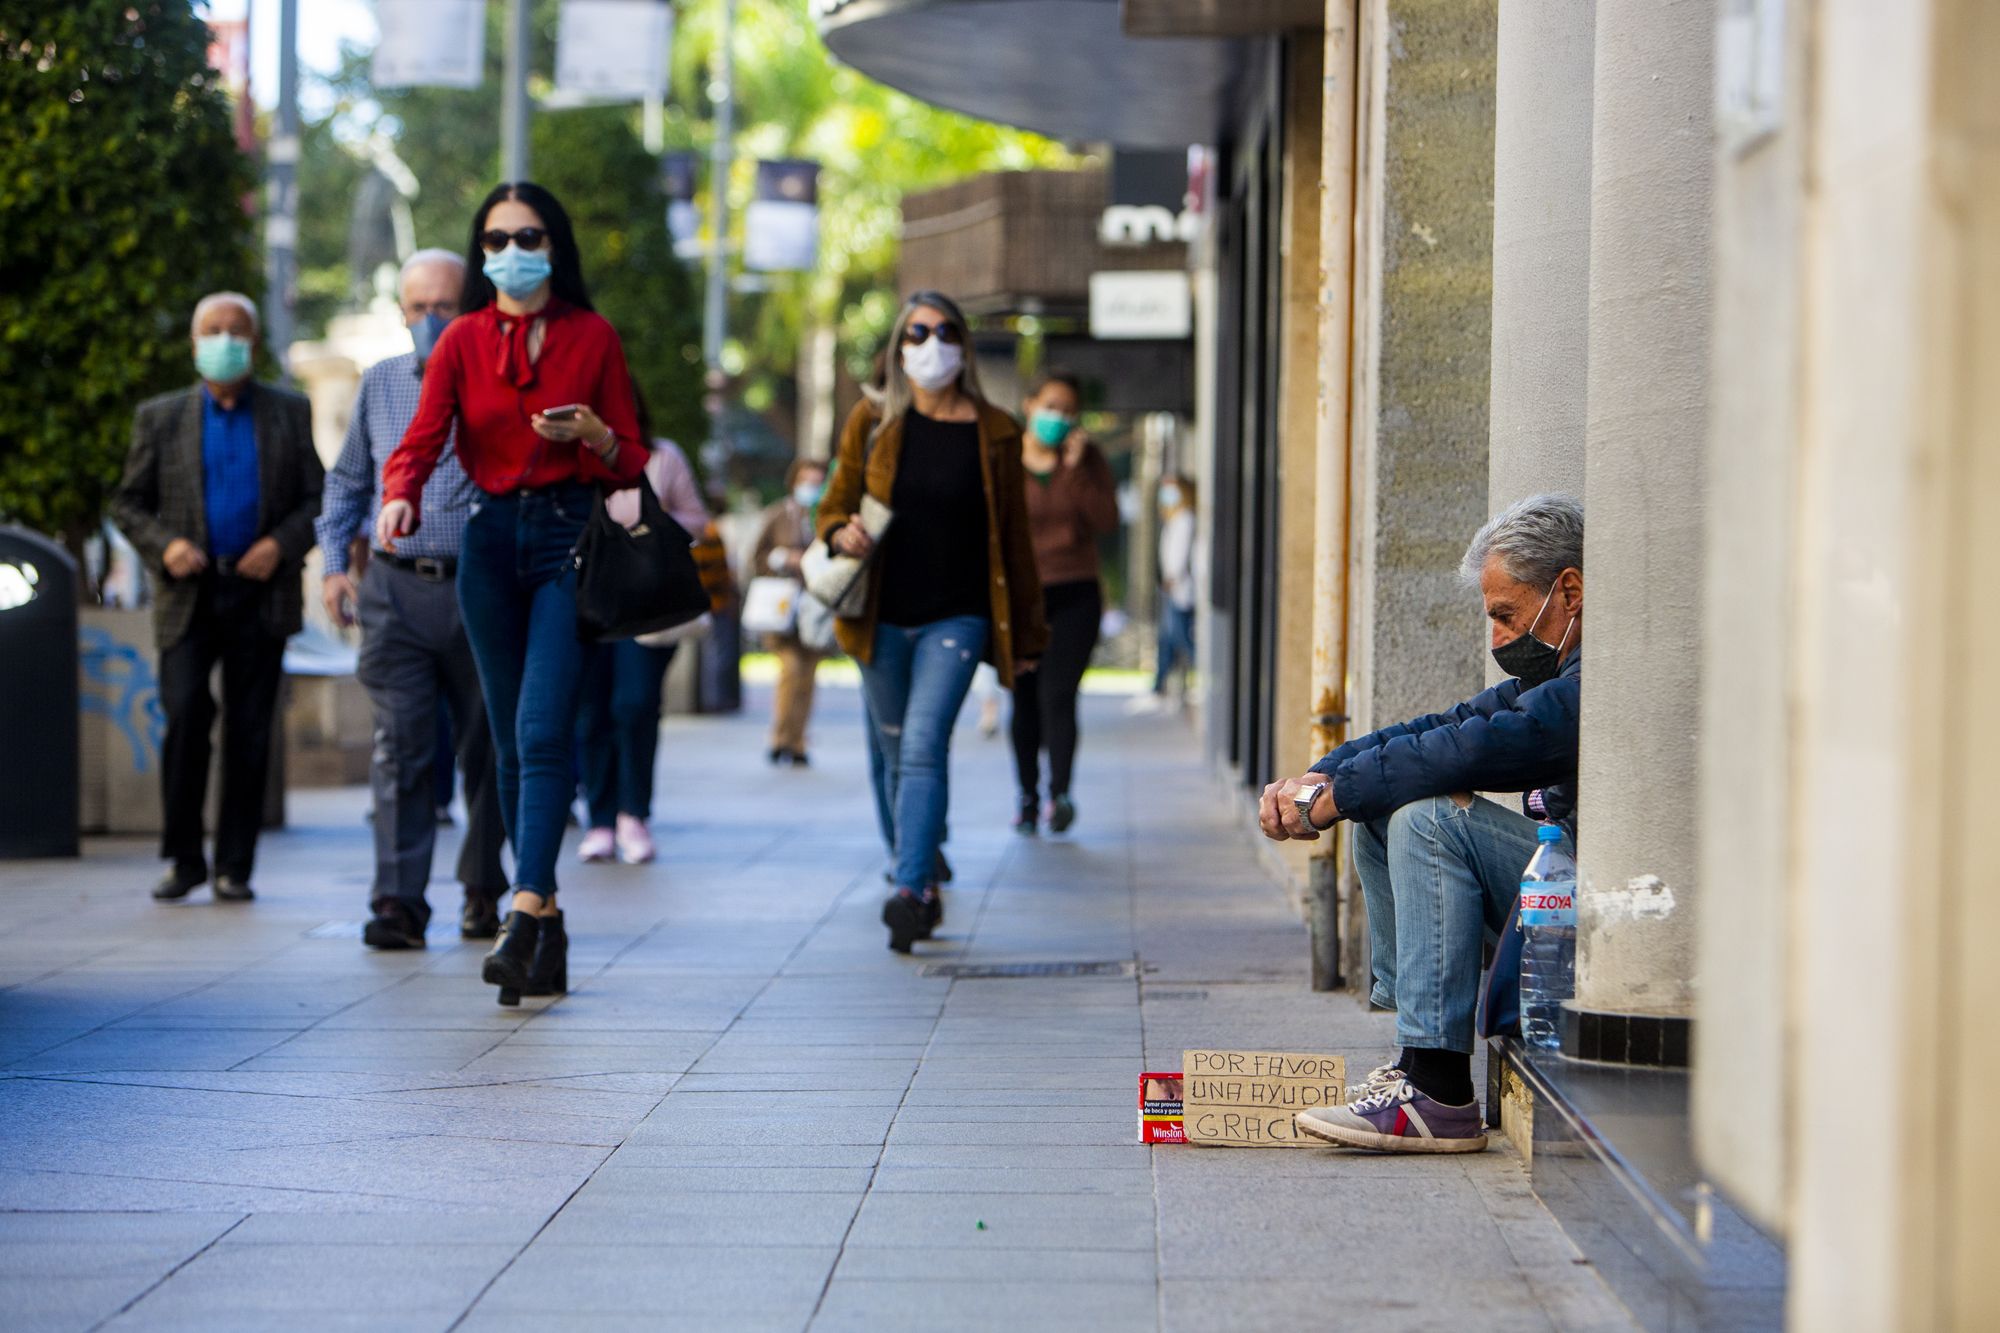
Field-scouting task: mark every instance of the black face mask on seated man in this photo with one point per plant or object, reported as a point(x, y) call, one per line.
point(1529, 659)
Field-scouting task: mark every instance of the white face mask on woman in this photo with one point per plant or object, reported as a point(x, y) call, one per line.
point(933, 363)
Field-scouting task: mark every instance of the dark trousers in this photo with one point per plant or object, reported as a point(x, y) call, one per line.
point(228, 628)
point(618, 728)
point(1045, 698)
point(416, 665)
point(517, 593)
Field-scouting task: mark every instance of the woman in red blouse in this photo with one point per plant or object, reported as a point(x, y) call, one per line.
point(535, 381)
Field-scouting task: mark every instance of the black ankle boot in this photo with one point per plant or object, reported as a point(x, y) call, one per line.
point(903, 914)
point(549, 973)
point(508, 965)
point(933, 913)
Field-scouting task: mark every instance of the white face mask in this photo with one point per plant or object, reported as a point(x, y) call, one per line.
point(1170, 497)
point(933, 363)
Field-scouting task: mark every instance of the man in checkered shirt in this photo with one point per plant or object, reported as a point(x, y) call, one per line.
point(414, 653)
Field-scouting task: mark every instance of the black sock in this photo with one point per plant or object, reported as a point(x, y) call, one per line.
point(1443, 1076)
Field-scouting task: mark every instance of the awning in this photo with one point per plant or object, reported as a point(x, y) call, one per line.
point(1064, 68)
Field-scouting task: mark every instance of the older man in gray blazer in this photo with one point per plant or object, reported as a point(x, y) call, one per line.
point(219, 495)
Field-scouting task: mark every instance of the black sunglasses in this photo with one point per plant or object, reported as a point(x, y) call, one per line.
point(916, 334)
point(528, 238)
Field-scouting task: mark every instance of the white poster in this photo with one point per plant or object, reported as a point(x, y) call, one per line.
point(614, 50)
point(1146, 304)
point(430, 43)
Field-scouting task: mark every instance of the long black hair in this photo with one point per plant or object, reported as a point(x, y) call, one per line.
point(565, 267)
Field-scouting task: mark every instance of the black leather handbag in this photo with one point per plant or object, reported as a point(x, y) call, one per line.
point(637, 580)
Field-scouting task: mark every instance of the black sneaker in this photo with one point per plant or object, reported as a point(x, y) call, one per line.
point(479, 919)
point(229, 889)
point(395, 927)
point(1025, 815)
point(1062, 813)
point(177, 884)
point(903, 913)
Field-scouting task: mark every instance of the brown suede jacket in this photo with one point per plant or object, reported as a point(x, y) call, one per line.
point(1019, 631)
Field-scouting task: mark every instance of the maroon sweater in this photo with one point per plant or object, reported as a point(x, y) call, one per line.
point(1068, 510)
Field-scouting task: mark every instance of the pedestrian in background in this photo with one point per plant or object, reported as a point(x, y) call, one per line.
point(781, 546)
point(536, 383)
point(416, 661)
point(1174, 657)
point(954, 581)
point(618, 706)
point(218, 496)
point(1072, 501)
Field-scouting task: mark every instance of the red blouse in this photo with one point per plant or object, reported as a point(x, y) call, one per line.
point(479, 376)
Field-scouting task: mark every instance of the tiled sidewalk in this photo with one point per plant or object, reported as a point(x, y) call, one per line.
point(747, 1115)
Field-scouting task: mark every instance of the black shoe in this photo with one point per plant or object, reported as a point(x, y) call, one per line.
point(229, 889)
point(780, 757)
point(444, 818)
point(1062, 813)
point(177, 884)
point(395, 927)
point(903, 913)
point(479, 918)
point(548, 973)
point(941, 870)
point(1025, 816)
point(799, 759)
point(932, 906)
point(507, 966)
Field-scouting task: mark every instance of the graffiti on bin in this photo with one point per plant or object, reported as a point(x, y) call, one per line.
point(119, 685)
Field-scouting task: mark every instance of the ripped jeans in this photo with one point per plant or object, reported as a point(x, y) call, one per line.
point(915, 682)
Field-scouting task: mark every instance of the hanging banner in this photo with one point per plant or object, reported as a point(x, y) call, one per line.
point(614, 50)
point(781, 226)
point(430, 44)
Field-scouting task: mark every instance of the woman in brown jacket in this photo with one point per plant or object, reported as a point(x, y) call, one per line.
point(781, 547)
point(954, 581)
point(1072, 501)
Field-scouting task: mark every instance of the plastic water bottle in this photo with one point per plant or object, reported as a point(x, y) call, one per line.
point(1548, 948)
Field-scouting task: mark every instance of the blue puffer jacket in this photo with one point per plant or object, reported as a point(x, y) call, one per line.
point(1505, 739)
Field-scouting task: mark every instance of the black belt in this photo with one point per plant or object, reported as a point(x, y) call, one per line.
point(434, 568)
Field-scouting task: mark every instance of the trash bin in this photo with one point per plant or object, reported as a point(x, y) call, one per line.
point(38, 697)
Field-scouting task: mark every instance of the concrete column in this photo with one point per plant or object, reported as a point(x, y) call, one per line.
point(1652, 170)
point(1422, 335)
point(1541, 248)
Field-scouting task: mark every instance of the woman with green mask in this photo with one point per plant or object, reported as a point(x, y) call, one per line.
point(1072, 501)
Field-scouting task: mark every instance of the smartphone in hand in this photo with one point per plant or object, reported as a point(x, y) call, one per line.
point(567, 412)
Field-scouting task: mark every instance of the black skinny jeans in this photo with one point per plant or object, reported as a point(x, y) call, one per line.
point(1045, 698)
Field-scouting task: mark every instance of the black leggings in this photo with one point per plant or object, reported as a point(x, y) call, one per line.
point(1045, 698)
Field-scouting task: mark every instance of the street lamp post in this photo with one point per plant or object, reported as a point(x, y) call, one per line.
point(514, 95)
point(281, 218)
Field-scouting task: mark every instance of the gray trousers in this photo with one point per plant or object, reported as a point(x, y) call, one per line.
point(414, 659)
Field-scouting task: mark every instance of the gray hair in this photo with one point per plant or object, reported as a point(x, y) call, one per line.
point(1536, 540)
point(430, 256)
point(896, 395)
point(214, 299)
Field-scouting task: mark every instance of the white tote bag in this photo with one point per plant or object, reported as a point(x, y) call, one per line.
point(771, 605)
point(842, 581)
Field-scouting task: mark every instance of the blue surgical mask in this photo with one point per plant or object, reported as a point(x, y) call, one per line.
point(1170, 497)
point(424, 334)
point(222, 358)
point(1051, 428)
point(806, 493)
point(517, 272)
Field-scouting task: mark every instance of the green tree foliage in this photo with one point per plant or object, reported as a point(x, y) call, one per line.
point(593, 161)
point(123, 192)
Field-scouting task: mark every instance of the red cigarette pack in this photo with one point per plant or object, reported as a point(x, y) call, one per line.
point(1160, 1109)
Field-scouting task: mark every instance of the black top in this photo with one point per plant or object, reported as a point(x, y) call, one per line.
point(933, 561)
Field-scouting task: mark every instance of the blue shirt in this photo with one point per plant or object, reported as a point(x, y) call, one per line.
point(229, 473)
point(383, 410)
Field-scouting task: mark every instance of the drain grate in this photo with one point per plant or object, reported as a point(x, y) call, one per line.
point(989, 971)
point(1176, 994)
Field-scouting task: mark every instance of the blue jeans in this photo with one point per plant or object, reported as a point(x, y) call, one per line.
point(618, 728)
point(1175, 643)
point(915, 684)
point(1437, 877)
point(517, 594)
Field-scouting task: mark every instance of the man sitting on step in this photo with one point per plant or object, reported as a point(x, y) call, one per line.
point(1439, 866)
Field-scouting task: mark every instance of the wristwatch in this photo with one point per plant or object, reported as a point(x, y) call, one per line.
point(1304, 799)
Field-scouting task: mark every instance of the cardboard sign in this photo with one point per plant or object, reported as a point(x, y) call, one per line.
point(1160, 1109)
point(1246, 1099)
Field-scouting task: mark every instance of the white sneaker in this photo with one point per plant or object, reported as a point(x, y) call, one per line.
point(599, 844)
point(635, 841)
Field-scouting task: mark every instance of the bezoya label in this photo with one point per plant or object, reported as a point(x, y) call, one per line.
point(1548, 902)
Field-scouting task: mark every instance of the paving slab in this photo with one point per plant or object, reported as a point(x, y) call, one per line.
point(749, 1114)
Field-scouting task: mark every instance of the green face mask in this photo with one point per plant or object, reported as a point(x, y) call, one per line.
point(222, 358)
point(1051, 428)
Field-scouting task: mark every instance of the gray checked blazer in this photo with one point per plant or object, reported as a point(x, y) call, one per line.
point(160, 497)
